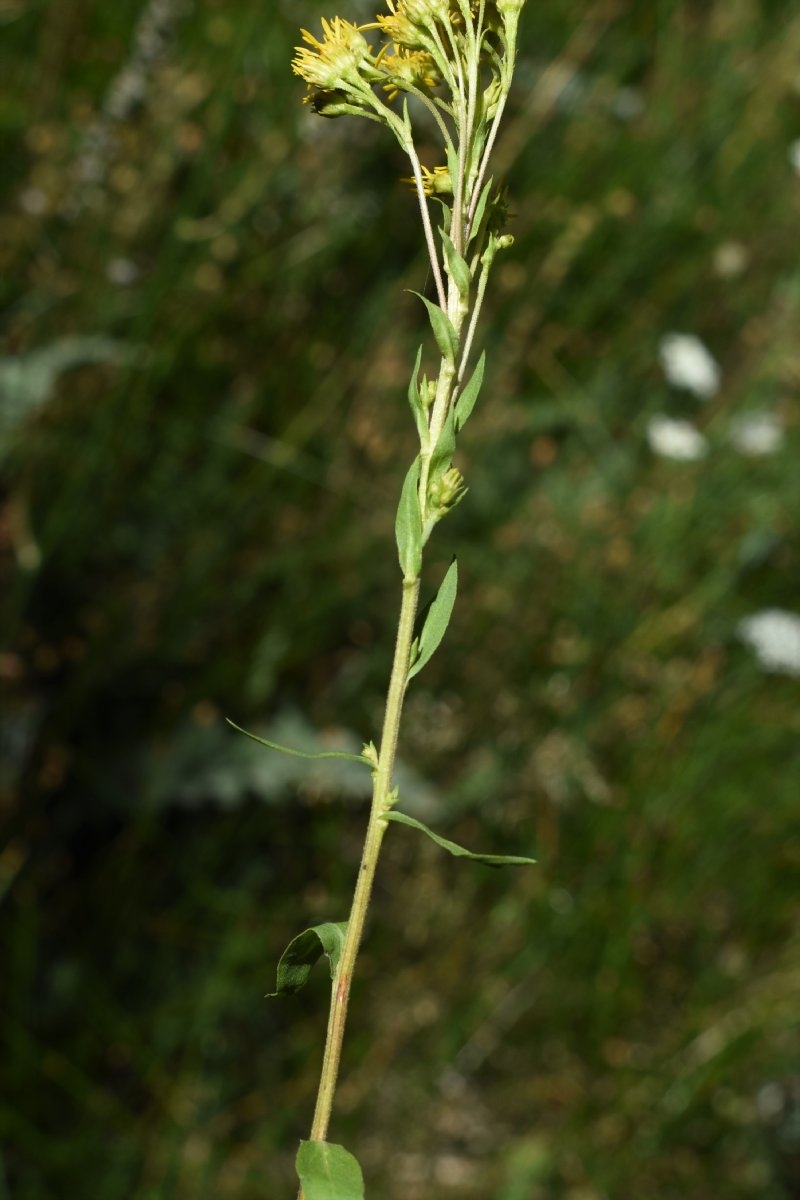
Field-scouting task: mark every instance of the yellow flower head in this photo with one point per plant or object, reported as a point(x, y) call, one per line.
point(342, 59)
point(409, 69)
point(434, 183)
point(410, 22)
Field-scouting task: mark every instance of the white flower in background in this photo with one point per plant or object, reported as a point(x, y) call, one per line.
point(627, 104)
point(794, 156)
point(756, 433)
point(676, 439)
point(774, 637)
point(730, 259)
point(687, 364)
point(122, 272)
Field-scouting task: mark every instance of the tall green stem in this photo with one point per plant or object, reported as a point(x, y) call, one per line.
point(369, 860)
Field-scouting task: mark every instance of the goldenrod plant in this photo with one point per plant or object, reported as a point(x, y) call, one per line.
point(444, 66)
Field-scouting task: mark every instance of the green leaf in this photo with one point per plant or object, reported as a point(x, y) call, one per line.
point(298, 753)
point(442, 328)
point(466, 400)
point(457, 268)
point(415, 401)
point(302, 953)
point(491, 860)
point(437, 619)
point(328, 1172)
point(452, 164)
point(445, 446)
point(480, 209)
point(408, 524)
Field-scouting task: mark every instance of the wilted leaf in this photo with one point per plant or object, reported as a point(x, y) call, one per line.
point(302, 953)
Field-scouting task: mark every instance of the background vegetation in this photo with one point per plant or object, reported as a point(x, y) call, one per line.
point(203, 433)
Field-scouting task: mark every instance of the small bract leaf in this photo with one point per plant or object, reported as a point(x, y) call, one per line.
point(328, 1172)
point(442, 327)
point(437, 619)
point(302, 953)
point(491, 860)
point(445, 446)
point(456, 266)
point(480, 209)
point(415, 401)
point(408, 524)
point(297, 753)
point(466, 401)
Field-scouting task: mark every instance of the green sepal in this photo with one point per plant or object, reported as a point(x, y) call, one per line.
point(442, 327)
point(408, 524)
point(480, 209)
point(436, 620)
point(491, 860)
point(302, 953)
point(415, 401)
point(457, 267)
point(298, 753)
point(328, 1172)
point(466, 400)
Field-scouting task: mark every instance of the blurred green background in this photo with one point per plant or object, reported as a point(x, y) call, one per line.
point(203, 430)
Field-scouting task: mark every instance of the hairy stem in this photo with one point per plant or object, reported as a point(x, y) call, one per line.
point(381, 801)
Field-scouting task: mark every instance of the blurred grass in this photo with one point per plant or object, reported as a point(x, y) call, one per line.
point(206, 531)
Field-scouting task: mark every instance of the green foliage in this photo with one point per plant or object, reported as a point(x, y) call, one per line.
point(465, 401)
point(436, 620)
point(415, 402)
point(408, 524)
point(299, 753)
point(490, 860)
point(443, 331)
point(329, 1172)
point(457, 267)
point(211, 526)
point(302, 953)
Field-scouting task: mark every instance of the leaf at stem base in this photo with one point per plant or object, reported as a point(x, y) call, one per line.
point(328, 1172)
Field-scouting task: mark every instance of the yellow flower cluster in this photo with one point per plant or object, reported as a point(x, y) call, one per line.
point(343, 60)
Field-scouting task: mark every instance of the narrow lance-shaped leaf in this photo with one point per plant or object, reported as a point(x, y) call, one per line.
point(302, 953)
point(445, 446)
point(491, 860)
point(416, 403)
point(437, 619)
point(442, 327)
point(298, 753)
point(480, 209)
point(408, 524)
point(456, 266)
point(466, 400)
point(328, 1172)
